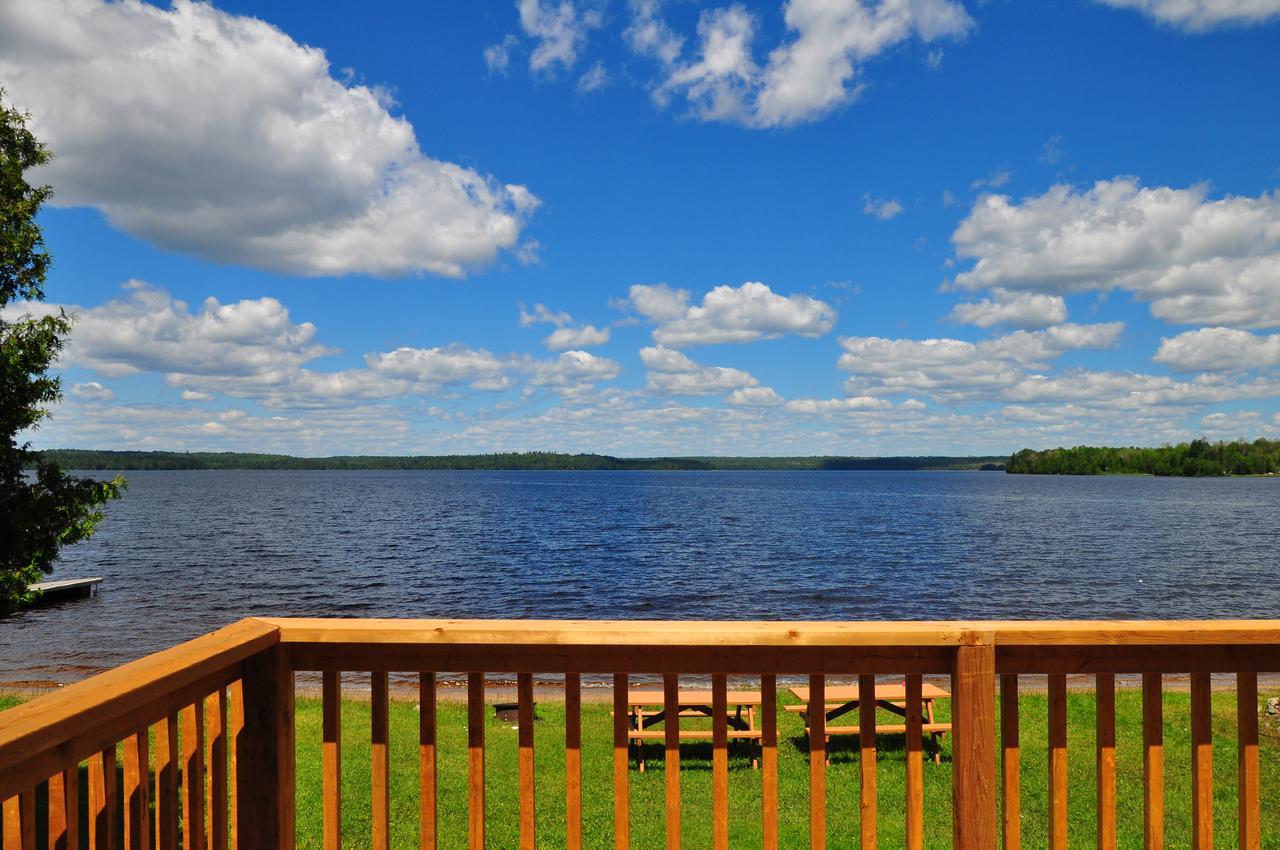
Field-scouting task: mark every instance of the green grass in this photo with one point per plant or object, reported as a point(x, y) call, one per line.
point(647, 789)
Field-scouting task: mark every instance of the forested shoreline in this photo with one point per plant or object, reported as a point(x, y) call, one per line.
point(91, 459)
point(1197, 459)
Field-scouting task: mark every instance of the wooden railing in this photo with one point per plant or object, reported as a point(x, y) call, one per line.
point(220, 710)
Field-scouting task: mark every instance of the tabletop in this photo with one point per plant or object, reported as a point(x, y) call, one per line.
point(642, 698)
point(848, 693)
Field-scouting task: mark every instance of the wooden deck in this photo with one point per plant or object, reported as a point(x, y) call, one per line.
point(66, 588)
point(231, 693)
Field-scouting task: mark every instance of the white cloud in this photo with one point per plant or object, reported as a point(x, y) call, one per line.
point(995, 181)
point(298, 172)
point(583, 337)
point(806, 77)
point(542, 314)
point(497, 57)
point(852, 404)
point(881, 208)
point(559, 30)
point(196, 395)
point(670, 371)
point(1201, 15)
point(1013, 309)
point(1219, 350)
point(595, 79)
point(575, 370)
point(745, 313)
point(1197, 261)
point(754, 397)
point(92, 391)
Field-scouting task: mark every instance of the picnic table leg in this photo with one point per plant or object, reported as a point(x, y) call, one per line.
point(640, 741)
point(751, 726)
point(936, 736)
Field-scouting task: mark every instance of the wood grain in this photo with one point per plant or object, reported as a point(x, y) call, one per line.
point(915, 763)
point(215, 712)
point(1058, 781)
point(671, 728)
point(973, 777)
point(621, 765)
point(167, 756)
point(867, 764)
point(1105, 736)
point(331, 759)
point(1249, 809)
point(1152, 761)
point(193, 835)
point(137, 792)
point(475, 760)
point(265, 753)
point(720, 762)
point(528, 812)
point(1010, 764)
point(573, 761)
point(428, 779)
point(379, 761)
point(769, 760)
point(817, 762)
point(1201, 762)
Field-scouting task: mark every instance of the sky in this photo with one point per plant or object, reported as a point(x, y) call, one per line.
point(645, 228)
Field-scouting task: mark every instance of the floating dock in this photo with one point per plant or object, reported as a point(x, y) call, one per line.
point(67, 588)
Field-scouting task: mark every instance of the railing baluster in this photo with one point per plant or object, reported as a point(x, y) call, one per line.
point(769, 758)
point(331, 780)
point(427, 780)
point(193, 776)
point(102, 800)
point(573, 761)
point(137, 796)
point(1250, 808)
point(475, 760)
point(1058, 761)
point(1105, 699)
point(817, 713)
point(166, 783)
point(973, 776)
point(671, 735)
point(528, 813)
point(621, 763)
point(867, 761)
point(235, 727)
point(1010, 763)
point(1153, 761)
point(20, 821)
point(266, 817)
point(1201, 762)
point(720, 761)
point(215, 712)
point(64, 809)
point(380, 764)
point(915, 762)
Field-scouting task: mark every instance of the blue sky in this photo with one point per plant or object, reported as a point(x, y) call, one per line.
point(637, 227)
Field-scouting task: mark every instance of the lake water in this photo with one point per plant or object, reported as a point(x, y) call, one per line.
point(186, 552)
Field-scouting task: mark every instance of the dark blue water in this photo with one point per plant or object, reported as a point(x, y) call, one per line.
point(187, 552)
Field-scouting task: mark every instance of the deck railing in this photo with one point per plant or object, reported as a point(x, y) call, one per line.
point(220, 710)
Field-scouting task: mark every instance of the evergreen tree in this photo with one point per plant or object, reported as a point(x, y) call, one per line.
point(43, 509)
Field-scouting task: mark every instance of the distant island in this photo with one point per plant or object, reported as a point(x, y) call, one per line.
point(1199, 458)
point(131, 460)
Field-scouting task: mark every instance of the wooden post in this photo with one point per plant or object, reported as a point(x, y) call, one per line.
point(973, 779)
point(265, 754)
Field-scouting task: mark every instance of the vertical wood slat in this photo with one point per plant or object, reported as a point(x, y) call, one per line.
point(137, 792)
point(193, 776)
point(573, 761)
point(720, 762)
point(915, 762)
point(475, 760)
point(266, 754)
point(1248, 776)
point(235, 727)
point(1057, 761)
point(102, 800)
point(1010, 763)
point(427, 779)
point(1105, 700)
point(671, 730)
point(331, 759)
point(621, 763)
point(867, 761)
point(528, 813)
point(973, 776)
point(1152, 761)
point(817, 713)
point(11, 839)
point(1201, 762)
point(380, 763)
point(20, 821)
point(769, 759)
point(64, 809)
point(215, 713)
point(167, 754)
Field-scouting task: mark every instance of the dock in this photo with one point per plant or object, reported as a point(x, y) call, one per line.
point(67, 588)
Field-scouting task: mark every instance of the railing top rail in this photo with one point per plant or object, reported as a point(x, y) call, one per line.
point(52, 726)
point(725, 633)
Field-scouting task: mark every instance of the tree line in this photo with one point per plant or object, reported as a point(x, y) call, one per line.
point(1198, 458)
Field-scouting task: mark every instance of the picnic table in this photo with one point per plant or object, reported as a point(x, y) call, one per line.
point(892, 697)
point(741, 716)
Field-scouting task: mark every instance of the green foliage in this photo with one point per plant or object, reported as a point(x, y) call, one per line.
point(92, 459)
point(1199, 458)
point(41, 508)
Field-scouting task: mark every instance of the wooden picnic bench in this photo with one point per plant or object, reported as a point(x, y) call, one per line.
point(892, 697)
point(741, 717)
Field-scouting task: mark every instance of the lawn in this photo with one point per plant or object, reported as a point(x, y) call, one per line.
point(647, 789)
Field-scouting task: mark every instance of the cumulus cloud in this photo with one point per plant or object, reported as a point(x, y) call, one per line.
point(595, 79)
point(670, 371)
point(559, 31)
point(745, 313)
point(1196, 260)
point(566, 335)
point(1027, 310)
point(196, 395)
point(838, 405)
point(806, 77)
point(497, 57)
point(883, 209)
point(92, 391)
point(1201, 15)
point(220, 136)
point(1219, 350)
point(754, 397)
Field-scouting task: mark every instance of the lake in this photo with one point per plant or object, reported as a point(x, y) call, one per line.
point(186, 552)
